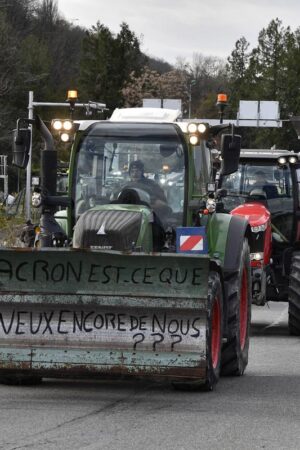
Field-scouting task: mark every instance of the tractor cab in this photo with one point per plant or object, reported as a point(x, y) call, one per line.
point(139, 165)
point(266, 177)
point(133, 180)
point(265, 189)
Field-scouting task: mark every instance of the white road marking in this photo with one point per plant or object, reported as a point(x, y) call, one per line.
point(282, 316)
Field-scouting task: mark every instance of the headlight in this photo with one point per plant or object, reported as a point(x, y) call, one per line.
point(259, 256)
point(194, 140)
point(211, 205)
point(293, 159)
point(65, 137)
point(57, 125)
point(282, 160)
point(67, 125)
point(61, 124)
point(259, 228)
point(36, 199)
point(192, 128)
point(202, 128)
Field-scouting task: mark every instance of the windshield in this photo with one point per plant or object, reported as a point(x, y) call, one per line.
point(268, 182)
point(146, 158)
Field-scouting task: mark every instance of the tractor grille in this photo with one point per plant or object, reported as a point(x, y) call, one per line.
point(111, 230)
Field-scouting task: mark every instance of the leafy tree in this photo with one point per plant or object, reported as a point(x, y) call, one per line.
point(159, 65)
point(151, 84)
point(268, 72)
point(19, 15)
point(146, 85)
point(9, 69)
point(128, 54)
point(107, 62)
point(62, 44)
point(238, 64)
point(205, 77)
point(268, 60)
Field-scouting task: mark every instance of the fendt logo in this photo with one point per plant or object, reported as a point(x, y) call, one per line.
point(101, 230)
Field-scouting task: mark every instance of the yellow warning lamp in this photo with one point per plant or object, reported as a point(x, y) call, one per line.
point(72, 97)
point(222, 98)
point(221, 104)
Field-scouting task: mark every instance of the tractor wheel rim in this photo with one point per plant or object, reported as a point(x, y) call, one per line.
point(244, 309)
point(216, 332)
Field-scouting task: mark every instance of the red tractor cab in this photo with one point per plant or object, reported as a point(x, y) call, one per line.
point(266, 190)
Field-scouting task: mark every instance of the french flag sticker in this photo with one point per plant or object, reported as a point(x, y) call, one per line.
point(191, 240)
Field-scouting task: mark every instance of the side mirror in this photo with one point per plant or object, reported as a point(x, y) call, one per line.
point(21, 147)
point(230, 152)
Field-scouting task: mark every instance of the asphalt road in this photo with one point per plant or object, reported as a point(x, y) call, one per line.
point(260, 410)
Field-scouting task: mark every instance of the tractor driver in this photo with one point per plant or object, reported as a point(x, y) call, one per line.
point(138, 180)
point(261, 179)
point(262, 183)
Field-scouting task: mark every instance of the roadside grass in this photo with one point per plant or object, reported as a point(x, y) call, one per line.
point(10, 230)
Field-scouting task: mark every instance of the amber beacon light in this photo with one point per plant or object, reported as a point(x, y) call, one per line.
point(72, 96)
point(221, 104)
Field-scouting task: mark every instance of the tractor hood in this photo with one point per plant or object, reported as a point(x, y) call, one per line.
point(256, 213)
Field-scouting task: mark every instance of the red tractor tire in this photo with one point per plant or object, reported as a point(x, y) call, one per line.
point(214, 333)
point(235, 350)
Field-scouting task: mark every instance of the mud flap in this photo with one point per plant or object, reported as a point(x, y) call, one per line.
point(66, 311)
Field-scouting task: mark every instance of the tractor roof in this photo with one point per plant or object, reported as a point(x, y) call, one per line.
point(159, 115)
point(265, 153)
point(138, 115)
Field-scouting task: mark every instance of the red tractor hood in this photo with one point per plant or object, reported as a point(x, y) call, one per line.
point(256, 213)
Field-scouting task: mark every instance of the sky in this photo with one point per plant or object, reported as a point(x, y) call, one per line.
point(180, 28)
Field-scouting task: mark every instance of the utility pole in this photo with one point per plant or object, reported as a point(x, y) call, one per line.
point(192, 83)
point(28, 168)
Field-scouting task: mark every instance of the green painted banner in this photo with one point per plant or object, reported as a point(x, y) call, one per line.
point(94, 272)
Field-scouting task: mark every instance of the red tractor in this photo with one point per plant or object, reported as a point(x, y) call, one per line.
point(266, 190)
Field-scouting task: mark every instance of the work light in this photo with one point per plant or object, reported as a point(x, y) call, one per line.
point(202, 128)
point(194, 140)
point(57, 124)
point(67, 125)
point(65, 137)
point(192, 128)
point(282, 160)
point(293, 159)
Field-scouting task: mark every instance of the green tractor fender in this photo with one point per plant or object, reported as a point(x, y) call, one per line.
point(226, 234)
point(226, 237)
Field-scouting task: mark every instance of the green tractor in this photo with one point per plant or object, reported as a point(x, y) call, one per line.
point(134, 273)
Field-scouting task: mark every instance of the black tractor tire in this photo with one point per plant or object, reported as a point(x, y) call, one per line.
point(214, 330)
point(16, 379)
point(214, 333)
point(235, 349)
point(294, 296)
